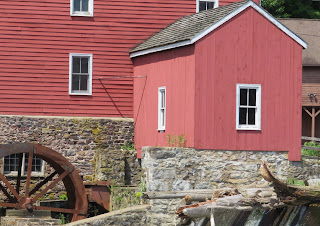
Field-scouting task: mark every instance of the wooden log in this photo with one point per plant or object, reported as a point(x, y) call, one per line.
point(291, 194)
point(195, 195)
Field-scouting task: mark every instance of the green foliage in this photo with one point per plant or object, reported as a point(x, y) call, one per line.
point(294, 181)
point(63, 219)
point(63, 197)
point(128, 146)
point(176, 141)
point(310, 152)
point(123, 197)
point(292, 8)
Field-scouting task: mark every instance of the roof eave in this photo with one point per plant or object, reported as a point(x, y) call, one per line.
point(219, 23)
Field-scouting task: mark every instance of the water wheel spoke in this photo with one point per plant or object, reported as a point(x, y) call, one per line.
point(4, 190)
point(8, 204)
point(59, 210)
point(53, 183)
point(29, 173)
point(19, 173)
point(7, 183)
point(40, 184)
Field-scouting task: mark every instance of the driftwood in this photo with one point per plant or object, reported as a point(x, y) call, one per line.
point(291, 194)
point(189, 195)
point(279, 194)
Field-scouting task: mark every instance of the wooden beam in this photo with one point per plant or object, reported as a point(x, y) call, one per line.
point(317, 113)
point(313, 122)
point(306, 110)
point(310, 138)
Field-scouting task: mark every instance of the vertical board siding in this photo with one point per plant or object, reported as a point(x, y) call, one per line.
point(250, 50)
point(173, 69)
point(36, 38)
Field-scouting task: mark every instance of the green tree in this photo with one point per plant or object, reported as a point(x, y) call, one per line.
point(293, 8)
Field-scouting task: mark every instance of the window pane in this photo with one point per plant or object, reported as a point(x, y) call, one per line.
point(76, 5)
point(162, 117)
point(163, 99)
point(210, 5)
point(242, 116)
point(251, 116)
point(243, 97)
point(84, 82)
point(76, 65)
point(85, 4)
point(84, 65)
point(202, 6)
point(252, 97)
point(75, 82)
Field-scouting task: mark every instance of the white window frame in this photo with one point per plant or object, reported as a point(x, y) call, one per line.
point(89, 85)
point(80, 13)
point(216, 4)
point(162, 117)
point(257, 125)
point(23, 173)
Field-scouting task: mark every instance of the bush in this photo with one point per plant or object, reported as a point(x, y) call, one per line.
point(310, 152)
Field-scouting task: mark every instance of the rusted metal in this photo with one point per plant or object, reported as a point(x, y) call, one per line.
point(19, 173)
point(77, 199)
point(7, 183)
point(29, 173)
point(41, 183)
point(99, 192)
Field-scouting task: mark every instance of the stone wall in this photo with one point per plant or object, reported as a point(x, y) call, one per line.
point(83, 141)
point(177, 169)
point(136, 215)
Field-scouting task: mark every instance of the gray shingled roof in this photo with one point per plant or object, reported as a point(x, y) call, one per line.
point(188, 27)
point(309, 30)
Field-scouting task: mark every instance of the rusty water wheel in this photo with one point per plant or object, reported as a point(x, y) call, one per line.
point(63, 171)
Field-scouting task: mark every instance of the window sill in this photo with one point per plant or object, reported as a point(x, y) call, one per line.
point(23, 176)
point(250, 128)
point(82, 14)
point(80, 94)
point(161, 130)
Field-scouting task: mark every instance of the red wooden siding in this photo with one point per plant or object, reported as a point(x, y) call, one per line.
point(36, 38)
point(175, 70)
point(250, 50)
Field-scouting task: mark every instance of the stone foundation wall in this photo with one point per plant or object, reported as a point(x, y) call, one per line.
point(83, 141)
point(175, 169)
point(136, 215)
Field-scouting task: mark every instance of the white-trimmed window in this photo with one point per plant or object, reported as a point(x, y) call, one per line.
point(206, 4)
point(81, 7)
point(11, 165)
point(161, 108)
point(248, 107)
point(80, 74)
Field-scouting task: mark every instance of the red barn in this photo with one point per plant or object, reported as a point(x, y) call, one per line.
point(227, 79)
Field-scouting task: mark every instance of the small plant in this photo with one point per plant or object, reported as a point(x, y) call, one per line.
point(127, 146)
point(310, 152)
point(63, 197)
point(176, 141)
point(294, 181)
point(63, 219)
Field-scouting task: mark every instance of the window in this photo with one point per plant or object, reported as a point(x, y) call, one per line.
point(81, 7)
point(248, 107)
point(80, 74)
point(206, 4)
point(162, 108)
point(11, 165)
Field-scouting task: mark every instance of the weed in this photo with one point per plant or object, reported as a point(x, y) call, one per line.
point(63, 197)
point(176, 141)
point(127, 146)
point(294, 181)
